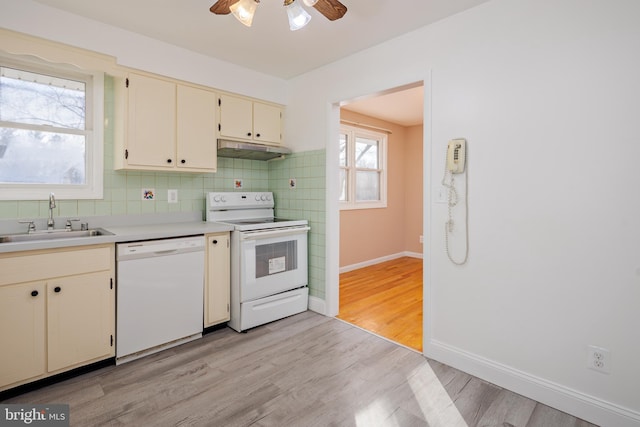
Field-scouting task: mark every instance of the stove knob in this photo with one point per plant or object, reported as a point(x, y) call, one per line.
point(257, 197)
point(216, 198)
point(263, 197)
point(269, 197)
point(223, 199)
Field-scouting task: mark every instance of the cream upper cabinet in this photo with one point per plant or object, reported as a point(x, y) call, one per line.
point(217, 279)
point(236, 117)
point(267, 123)
point(196, 129)
point(168, 126)
point(58, 311)
point(249, 120)
point(151, 123)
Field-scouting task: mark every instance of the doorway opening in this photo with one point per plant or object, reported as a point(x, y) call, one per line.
point(380, 262)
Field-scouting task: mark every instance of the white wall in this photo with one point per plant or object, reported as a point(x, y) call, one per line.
point(136, 51)
point(546, 93)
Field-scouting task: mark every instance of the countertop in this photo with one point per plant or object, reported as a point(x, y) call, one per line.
point(129, 233)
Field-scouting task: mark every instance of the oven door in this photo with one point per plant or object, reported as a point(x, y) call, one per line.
point(272, 261)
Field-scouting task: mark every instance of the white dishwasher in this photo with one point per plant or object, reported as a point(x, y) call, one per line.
point(160, 286)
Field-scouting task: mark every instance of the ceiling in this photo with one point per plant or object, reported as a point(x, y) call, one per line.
point(268, 46)
point(403, 107)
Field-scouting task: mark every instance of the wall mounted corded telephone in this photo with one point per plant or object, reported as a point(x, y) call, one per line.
point(456, 155)
point(455, 164)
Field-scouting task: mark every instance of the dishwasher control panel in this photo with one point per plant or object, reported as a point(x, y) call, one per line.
point(159, 247)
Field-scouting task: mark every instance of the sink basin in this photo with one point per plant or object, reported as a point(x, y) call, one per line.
point(53, 235)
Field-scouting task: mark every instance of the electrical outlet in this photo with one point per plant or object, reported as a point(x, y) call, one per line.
point(598, 359)
point(421, 239)
point(172, 196)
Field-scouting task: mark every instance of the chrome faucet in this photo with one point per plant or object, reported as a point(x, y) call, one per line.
point(52, 205)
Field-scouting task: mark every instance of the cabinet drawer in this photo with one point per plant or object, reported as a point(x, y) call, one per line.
point(39, 265)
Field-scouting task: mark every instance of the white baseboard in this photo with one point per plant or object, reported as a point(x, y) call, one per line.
point(379, 260)
point(557, 396)
point(412, 254)
point(318, 305)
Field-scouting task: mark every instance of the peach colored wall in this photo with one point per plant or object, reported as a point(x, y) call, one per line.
point(413, 195)
point(368, 234)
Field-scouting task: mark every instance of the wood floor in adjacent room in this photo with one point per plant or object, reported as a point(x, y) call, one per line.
point(386, 299)
point(306, 370)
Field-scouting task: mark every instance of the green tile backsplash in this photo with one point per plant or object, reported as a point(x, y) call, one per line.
point(305, 201)
point(123, 192)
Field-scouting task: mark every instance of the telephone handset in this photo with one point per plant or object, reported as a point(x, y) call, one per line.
point(456, 155)
point(455, 164)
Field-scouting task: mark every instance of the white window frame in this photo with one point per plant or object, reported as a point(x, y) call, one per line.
point(352, 132)
point(94, 133)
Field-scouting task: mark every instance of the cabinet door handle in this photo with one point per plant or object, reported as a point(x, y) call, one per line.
point(215, 242)
point(169, 160)
point(34, 293)
point(183, 161)
point(257, 135)
point(57, 289)
point(248, 133)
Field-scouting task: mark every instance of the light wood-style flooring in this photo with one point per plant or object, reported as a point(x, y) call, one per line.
point(306, 370)
point(386, 299)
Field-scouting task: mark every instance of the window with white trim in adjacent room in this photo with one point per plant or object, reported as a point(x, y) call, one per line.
point(363, 177)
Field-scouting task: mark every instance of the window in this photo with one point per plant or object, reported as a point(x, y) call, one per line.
point(50, 132)
point(363, 179)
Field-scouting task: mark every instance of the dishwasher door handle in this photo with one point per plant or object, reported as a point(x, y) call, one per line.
point(167, 252)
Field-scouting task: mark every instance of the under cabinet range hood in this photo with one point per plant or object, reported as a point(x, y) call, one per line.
point(250, 150)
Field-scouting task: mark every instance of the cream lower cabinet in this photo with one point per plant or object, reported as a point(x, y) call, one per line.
point(79, 318)
point(217, 279)
point(22, 332)
point(57, 310)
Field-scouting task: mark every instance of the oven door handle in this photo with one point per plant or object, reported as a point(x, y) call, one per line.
point(261, 234)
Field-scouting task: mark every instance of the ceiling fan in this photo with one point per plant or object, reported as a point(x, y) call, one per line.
point(243, 10)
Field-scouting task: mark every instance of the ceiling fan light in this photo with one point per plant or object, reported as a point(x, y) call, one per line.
point(244, 11)
point(298, 17)
point(310, 3)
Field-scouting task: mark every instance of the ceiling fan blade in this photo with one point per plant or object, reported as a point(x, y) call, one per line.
point(332, 9)
point(221, 7)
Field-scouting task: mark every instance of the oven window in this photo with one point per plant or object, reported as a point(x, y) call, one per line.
point(276, 258)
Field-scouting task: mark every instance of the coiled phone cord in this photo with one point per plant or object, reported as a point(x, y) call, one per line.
point(452, 200)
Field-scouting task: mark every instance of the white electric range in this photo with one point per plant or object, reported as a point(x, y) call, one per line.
point(269, 258)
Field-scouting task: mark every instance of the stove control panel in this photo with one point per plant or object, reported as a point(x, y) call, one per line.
point(233, 200)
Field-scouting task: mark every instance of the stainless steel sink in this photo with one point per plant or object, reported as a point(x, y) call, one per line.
point(53, 235)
